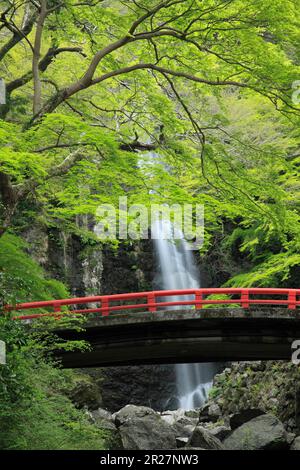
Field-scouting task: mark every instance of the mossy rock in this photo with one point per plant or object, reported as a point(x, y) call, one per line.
point(85, 392)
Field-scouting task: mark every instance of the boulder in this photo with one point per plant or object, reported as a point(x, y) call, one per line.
point(100, 413)
point(142, 428)
point(264, 432)
point(171, 417)
point(130, 412)
point(180, 422)
point(205, 439)
point(103, 419)
point(237, 419)
point(214, 412)
point(181, 441)
point(193, 413)
point(296, 444)
point(188, 430)
point(290, 437)
point(220, 432)
point(210, 412)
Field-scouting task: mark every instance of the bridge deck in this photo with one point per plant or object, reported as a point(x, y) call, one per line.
point(206, 335)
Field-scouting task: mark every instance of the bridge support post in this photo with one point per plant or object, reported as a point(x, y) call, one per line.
point(151, 300)
point(105, 306)
point(245, 298)
point(57, 310)
point(198, 299)
point(292, 300)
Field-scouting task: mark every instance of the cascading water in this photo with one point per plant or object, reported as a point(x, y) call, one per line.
point(178, 271)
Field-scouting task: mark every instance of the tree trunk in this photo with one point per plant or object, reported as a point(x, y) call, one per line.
point(9, 200)
point(37, 89)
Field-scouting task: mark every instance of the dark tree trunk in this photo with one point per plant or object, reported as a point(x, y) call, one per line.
point(9, 200)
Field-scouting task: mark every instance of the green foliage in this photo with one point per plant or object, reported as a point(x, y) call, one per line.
point(35, 412)
point(21, 278)
point(16, 159)
point(275, 271)
point(226, 147)
point(219, 297)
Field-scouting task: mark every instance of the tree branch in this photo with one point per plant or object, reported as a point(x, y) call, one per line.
point(43, 65)
point(136, 145)
point(65, 94)
point(164, 70)
point(67, 164)
point(18, 34)
point(11, 194)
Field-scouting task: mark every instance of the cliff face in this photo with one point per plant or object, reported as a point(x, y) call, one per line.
point(152, 386)
point(272, 386)
point(93, 269)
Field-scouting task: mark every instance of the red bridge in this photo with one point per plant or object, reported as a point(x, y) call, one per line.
point(192, 325)
point(153, 300)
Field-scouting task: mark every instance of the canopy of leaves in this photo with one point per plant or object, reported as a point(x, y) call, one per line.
point(94, 88)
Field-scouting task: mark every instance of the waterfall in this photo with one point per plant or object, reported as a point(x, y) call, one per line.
point(177, 270)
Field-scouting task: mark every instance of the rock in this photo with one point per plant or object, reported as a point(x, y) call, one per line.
point(171, 417)
point(203, 414)
point(181, 441)
point(85, 392)
point(210, 412)
point(194, 448)
point(148, 385)
point(130, 412)
point(173, 403)
point(291, 424)
point(182, 425)
point(205, 439)
point(296, 444)
point(192, 413)
point(290, 437)
point(100, 413)
point(264, 432)
point(103, 419)
point(188, 430)
point(214, 412)
point(179, 420)
point(142, 428)
point(237, 419)
point(220, 432)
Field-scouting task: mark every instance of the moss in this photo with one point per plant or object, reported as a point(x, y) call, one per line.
point(21, 278)
point(270, 386)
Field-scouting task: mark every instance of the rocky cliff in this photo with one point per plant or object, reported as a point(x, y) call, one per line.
point(89, 268)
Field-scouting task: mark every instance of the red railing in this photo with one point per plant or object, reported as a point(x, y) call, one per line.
point(154, 300)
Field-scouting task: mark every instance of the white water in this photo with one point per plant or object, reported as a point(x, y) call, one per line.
point(178, 271)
